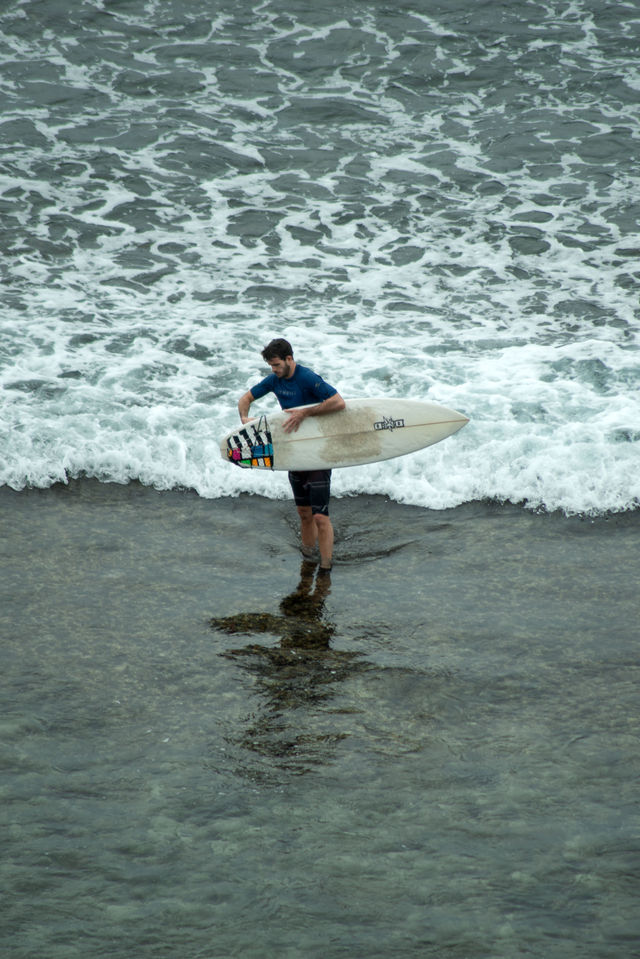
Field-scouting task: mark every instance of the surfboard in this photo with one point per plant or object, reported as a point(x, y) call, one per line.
point(366, 431)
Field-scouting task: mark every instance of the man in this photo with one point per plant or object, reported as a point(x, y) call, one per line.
point(295, 385)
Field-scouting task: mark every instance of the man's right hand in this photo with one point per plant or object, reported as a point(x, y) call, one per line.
point(243, 407)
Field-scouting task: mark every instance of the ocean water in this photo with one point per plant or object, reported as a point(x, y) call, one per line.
point(206, 751)
point(431, 200)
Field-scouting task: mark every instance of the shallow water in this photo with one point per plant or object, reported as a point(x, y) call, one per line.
point(207, 750)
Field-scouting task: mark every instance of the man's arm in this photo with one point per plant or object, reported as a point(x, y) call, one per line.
point(243, 405)
point(331, 405)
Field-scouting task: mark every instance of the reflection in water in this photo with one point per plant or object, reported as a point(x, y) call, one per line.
point(297, 677)
point(300, 625)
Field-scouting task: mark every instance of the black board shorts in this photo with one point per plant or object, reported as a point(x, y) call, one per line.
point(312, 488)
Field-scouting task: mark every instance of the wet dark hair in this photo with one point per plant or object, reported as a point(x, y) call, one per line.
point(277, 349)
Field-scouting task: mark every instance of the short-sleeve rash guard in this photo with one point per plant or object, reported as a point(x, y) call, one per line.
point(303, 388)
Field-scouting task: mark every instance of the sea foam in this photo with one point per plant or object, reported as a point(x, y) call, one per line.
point(436, 208)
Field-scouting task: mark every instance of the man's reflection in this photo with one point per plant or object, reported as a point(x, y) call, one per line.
point(296, 675)
point(301, 625)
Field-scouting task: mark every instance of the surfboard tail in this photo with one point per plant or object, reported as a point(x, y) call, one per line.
point(251, 447)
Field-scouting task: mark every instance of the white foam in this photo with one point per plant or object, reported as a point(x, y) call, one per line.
point(399, 253)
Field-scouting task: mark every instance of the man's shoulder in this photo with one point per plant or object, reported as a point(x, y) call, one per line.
point(265, 385)
point(304, 373)
point(313, 385)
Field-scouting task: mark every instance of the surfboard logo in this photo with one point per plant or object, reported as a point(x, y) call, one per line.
point(251, 447)
point(388, 423)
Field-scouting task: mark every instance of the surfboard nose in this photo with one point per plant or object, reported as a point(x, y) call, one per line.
point(459, 420)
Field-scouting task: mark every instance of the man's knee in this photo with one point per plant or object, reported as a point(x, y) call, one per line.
point(306, 517)
point(322, 521)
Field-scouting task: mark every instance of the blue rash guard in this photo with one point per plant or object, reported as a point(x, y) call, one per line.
point(302, 388)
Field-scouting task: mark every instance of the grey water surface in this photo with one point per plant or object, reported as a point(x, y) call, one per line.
point(210, 751)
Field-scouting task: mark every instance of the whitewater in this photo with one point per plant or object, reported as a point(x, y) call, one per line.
point(428, 203)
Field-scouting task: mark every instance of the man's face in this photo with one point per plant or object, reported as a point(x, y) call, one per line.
point(282, 368)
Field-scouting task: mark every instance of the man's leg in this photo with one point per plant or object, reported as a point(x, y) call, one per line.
point(325, 539)
point(315, 525)
point(308, 529)
point(319, 493)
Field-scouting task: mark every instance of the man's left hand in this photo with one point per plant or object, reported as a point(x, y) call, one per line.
point(295, 419)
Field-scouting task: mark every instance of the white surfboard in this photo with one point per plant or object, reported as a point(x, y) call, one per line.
point(366, 431)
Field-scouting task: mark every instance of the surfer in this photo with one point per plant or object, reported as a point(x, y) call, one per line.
point(294, 386)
